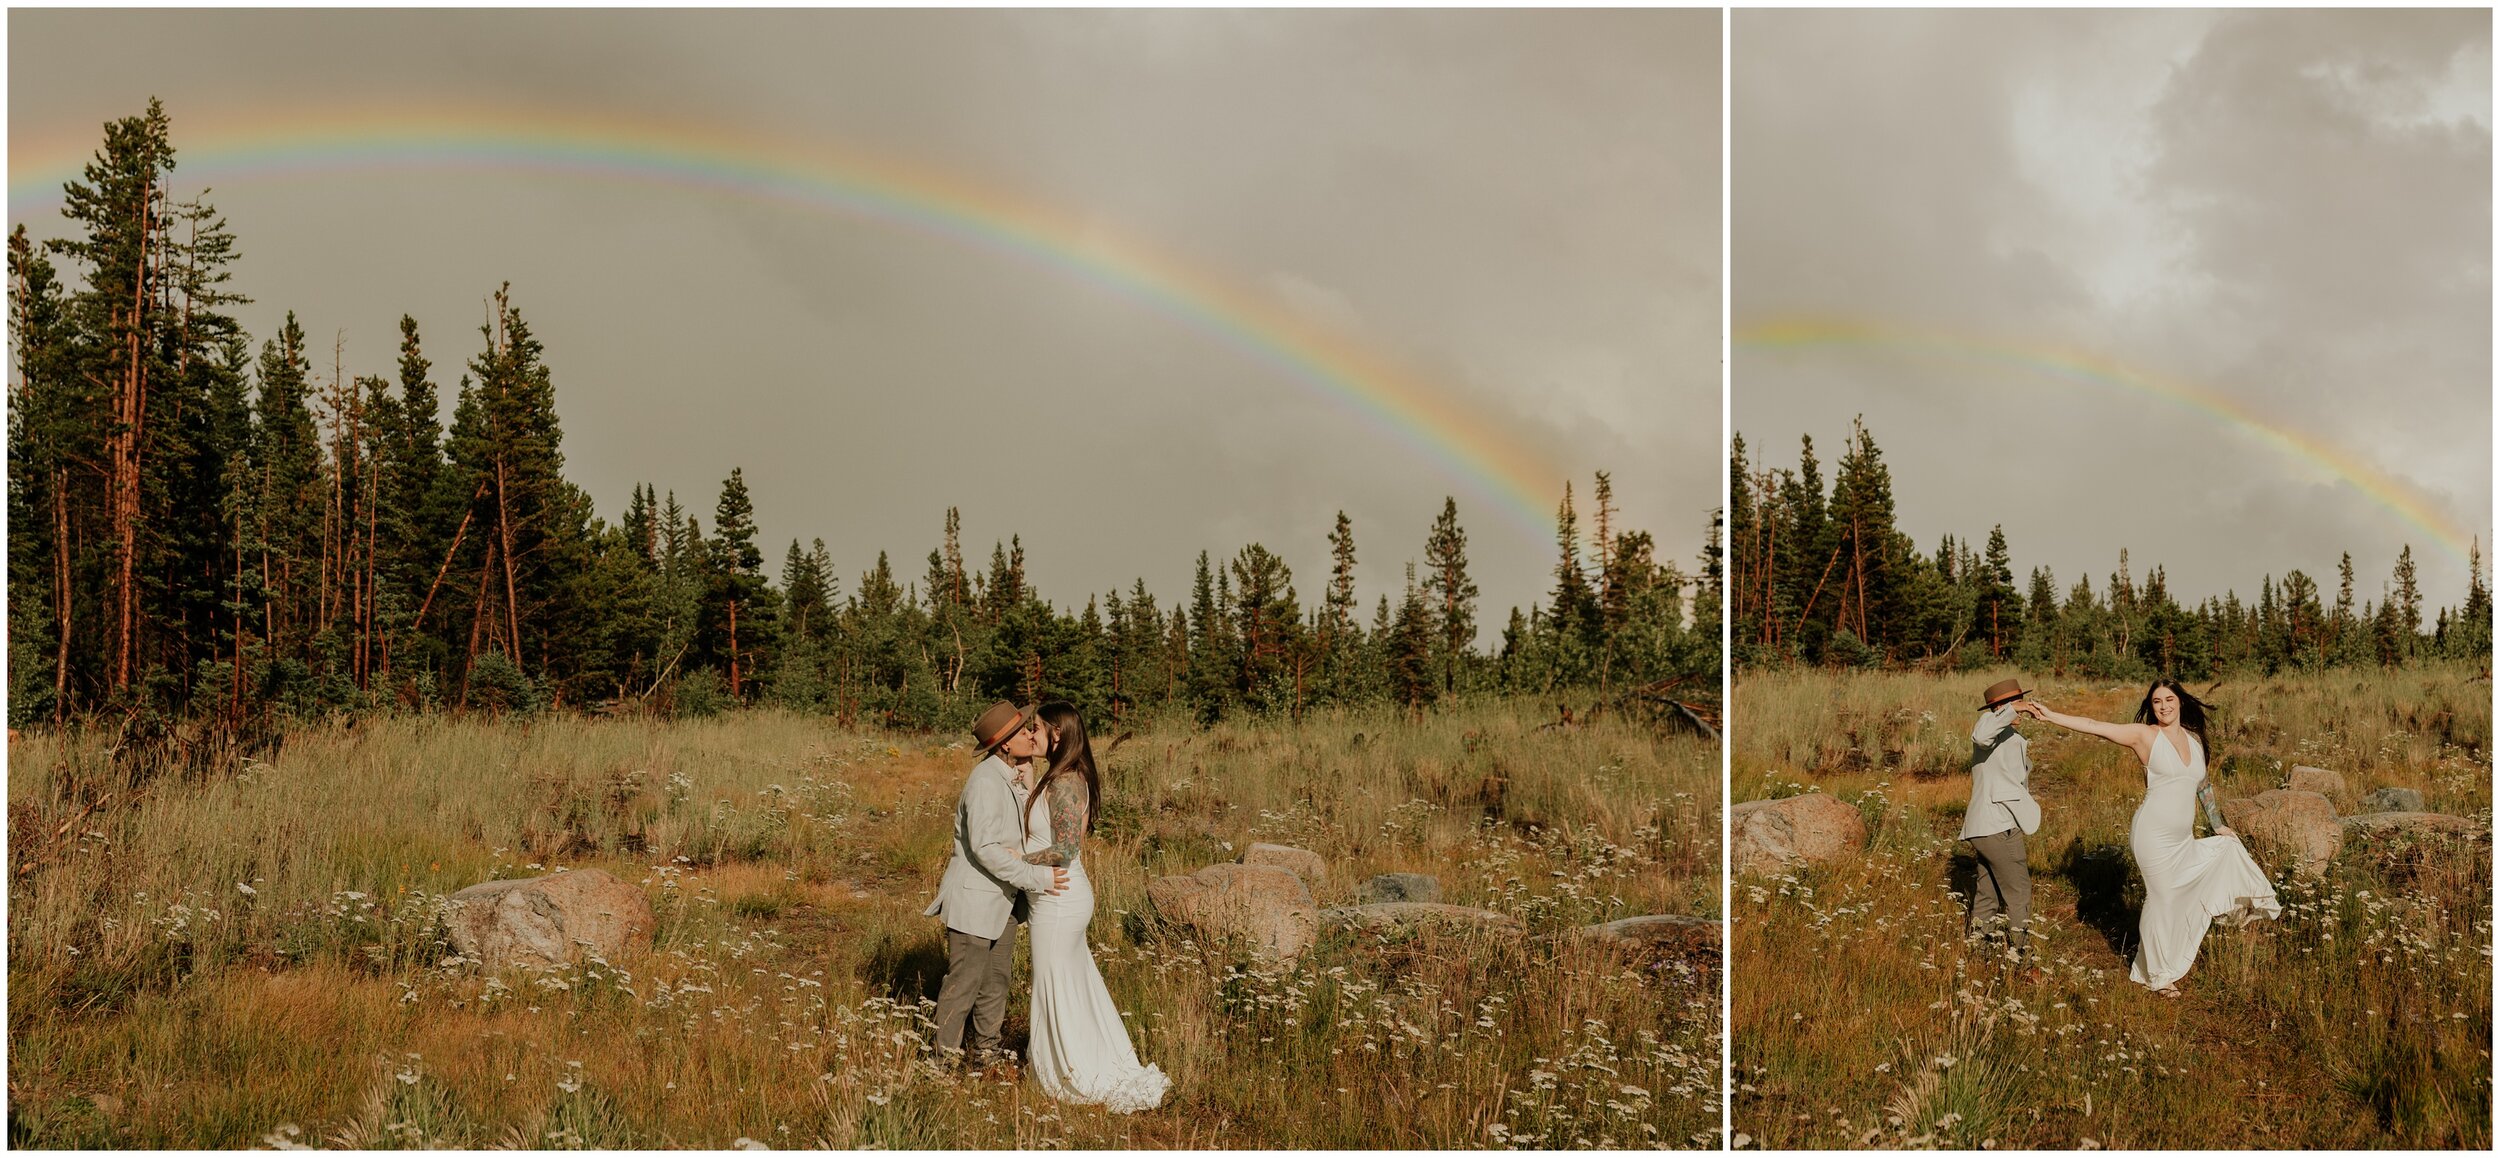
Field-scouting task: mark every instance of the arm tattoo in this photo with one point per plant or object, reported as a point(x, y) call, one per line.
point(1067, 822)
point(2205, 796)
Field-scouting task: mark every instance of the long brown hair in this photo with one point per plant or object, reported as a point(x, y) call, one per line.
point(2191, 712)
point(1074, 756)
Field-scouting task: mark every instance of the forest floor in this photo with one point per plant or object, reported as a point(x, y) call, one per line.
point(2361, 1019)
point(252, 956)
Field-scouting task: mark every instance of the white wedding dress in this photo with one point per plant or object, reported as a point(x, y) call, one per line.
point(1080, 1050)
point(2187, 882)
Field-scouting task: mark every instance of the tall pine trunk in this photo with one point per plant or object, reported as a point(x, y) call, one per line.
point(126, 452)
point(62, 596)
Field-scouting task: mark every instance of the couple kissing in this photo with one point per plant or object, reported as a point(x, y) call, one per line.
point(1017, 858)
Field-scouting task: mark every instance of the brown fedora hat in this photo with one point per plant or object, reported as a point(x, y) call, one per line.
point(2001, 691)
point(1002, 720)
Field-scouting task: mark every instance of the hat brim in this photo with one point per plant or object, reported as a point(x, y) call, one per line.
point(1023, 716)
point(1994, 704)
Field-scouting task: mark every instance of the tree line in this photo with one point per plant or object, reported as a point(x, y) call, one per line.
point(201, 528)
point(1826, 577)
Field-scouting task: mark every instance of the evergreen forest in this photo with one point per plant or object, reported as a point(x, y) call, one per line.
point(1827, 577)
point(204, 527)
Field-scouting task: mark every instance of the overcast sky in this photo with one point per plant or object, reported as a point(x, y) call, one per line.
point(2291, 208)
point(1521, 207)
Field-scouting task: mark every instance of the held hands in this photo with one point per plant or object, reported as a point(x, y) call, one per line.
point(1058, 881)
point(2225, 830)
point(2033, 709)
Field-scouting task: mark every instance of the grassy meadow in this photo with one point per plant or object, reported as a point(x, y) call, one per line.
point(2362, 1019)
point(251, 957)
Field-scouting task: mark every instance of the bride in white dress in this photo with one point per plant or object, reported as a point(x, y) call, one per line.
point(2187, 882)
point(1080, 1050)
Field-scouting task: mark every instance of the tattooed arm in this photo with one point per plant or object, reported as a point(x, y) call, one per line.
point(2213, 815)
point(1067, 822)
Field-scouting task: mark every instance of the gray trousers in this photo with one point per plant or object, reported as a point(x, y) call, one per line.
point(2002, 888)
point(978, 973)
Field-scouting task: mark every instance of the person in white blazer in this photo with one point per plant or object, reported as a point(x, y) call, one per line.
point(2001, 813)
point(983, 894)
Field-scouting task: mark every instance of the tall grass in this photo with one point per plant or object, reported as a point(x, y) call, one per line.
point(255, 958)
point(2361, 1019)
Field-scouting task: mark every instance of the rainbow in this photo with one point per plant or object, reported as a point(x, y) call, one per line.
point(2075, 366)
point(721, 161)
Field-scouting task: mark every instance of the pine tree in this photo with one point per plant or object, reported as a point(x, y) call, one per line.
point(1339, 637)
point(1711, 599)
point(1608, 600)
point(1812, 555)
point(739, 596)
point(1747, 559)
point(530, 526)
point(999, 594)
point(1453, 594)
point(1411, 647)
point(2342, 620)
point(287, 455)
point(1999, 609)
point(1870, 576)
point(642, 523)
point(957, 593)
point(1574, 606)
point(2408, 604)
point(1208, 688)
point(47, 439)
point(1268, 619)
point(120, 205)
point(2474, 619)
point(807, 584)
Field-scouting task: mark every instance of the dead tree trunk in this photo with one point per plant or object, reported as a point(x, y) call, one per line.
point(733, 651)
point(503, 532)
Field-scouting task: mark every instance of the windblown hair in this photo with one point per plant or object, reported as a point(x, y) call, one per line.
point(2191, 712)
point(1074, 756)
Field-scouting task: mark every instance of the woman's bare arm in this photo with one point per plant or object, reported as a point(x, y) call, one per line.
point(1067, 822)
point(2213, 815)
point(2136, 736)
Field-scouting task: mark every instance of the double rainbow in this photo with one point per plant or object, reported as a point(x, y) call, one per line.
point(812, 177)
point(2075, 366)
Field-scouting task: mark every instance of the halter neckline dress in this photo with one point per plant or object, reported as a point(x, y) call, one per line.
point(2188, 882)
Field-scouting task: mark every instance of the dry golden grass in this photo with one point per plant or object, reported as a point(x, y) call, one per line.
point(2361, 1019)
point(155, 1002)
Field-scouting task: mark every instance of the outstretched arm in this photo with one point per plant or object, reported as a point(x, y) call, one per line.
point(2135, 736)
point(1067, 822)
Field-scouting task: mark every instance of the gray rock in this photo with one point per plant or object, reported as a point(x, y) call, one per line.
point(1412, 913)
point(1814, 827)
point(550, 920)
point(2392, 800)
point(1391, 887)
point(2414, 822)
point(1264, 904)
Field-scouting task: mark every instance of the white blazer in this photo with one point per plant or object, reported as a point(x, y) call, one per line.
point(987, 878)
point(2000, 778)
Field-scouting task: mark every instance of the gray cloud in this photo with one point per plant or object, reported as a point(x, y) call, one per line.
point(1521, 207)
point(2291, 209)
